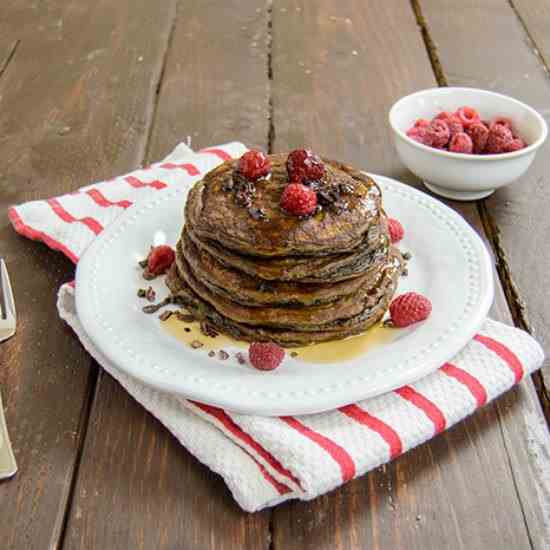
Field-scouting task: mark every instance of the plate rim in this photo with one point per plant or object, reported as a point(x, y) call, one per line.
point(349, 390)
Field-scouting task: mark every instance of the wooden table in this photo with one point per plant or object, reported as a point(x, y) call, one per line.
point(89, 90)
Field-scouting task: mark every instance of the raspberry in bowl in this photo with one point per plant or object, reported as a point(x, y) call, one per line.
point(464, 142)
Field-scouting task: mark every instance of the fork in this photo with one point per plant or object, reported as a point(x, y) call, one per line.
point(8, 467)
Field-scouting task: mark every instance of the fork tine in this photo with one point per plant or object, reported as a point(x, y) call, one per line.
point(3, 312)
point(7, 302)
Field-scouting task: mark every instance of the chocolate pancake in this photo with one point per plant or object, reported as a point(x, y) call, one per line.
point(306, 269)
point(247, 290)
point(213, 212)
point(310, 318)
point(203, 311)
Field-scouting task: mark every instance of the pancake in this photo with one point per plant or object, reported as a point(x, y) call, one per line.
point(253, 271)
point(203, 311)
point(308, 269)
point(247, 290)
point(213, 213)
point(304, 318)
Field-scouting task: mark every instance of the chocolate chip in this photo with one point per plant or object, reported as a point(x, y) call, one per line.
point(148, 276)
point(240, 358)
point(150, 294)
point(223, 355)
point(293, 354)
point(208, 329)
point(153, 308)
point(196, 344)
point(141, 293)
point(187, 329)
point(184, 317)
point(165, 315)
point(257, 213)
point(407, 255)
point(211, 353)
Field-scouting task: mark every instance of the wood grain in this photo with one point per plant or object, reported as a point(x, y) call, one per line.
point(518, 213)
point(535, 16)
point(74, 104)
point(333, 94)
point(214, 89)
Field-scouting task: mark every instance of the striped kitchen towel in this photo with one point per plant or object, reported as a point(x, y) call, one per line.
point(265, 461)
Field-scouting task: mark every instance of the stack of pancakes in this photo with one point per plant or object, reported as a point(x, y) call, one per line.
point(256, 273)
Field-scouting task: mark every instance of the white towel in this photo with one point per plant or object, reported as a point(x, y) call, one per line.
point(265, 461)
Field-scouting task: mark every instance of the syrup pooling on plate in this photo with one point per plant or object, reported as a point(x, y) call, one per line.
point(327, 352)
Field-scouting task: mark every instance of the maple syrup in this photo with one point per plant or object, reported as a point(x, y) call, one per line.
point(326, 352)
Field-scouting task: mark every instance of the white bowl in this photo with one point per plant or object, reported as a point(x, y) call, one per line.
point(456, 175)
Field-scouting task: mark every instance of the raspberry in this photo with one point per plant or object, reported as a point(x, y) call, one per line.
point(438, 133)
point(160, 259)
point(502, 121)
point(421, 123)
point(515, 145)
point(409, 308)
point(461, 143)
point(298, 199)
point(265, 356)
point(467, 116)
point(443, 115)
point(499, 139)
point(254, 165)
point(454, 124)
point(418, 134)
point(479, 133)
point(396, 230)
point(304, 166)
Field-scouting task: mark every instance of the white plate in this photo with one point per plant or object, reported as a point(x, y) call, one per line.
point(450, 265)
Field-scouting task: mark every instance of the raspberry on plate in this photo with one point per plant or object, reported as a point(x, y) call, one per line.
point(265, 355)
point(395, 230)
point(298, 199)
point(500, 138)
point(304, 166)
point(461, 143)
point(478, 133)
point(160, 259)
point(438, 133)
point(254, 165)
point(409, 308)
point(467, 115)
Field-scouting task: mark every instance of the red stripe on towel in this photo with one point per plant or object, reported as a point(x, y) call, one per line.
point(67, 217)
point(191, 169)
point(504, 353)
point(137, 183)
point(465, 378)
point(231, 426)
point(337, 453)
point(218, 152)
point(31, 233)
point(386, 432)
point(99, 198)
point(430, 409)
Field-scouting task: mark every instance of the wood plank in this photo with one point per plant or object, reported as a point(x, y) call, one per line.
point(535, 16)
point(333, 95)
point(65, 119)
point(516, 213)
point(215, 89)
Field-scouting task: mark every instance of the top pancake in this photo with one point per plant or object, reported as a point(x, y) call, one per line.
point(212, 211)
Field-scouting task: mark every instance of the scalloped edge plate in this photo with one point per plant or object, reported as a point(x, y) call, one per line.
point(450, 265)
